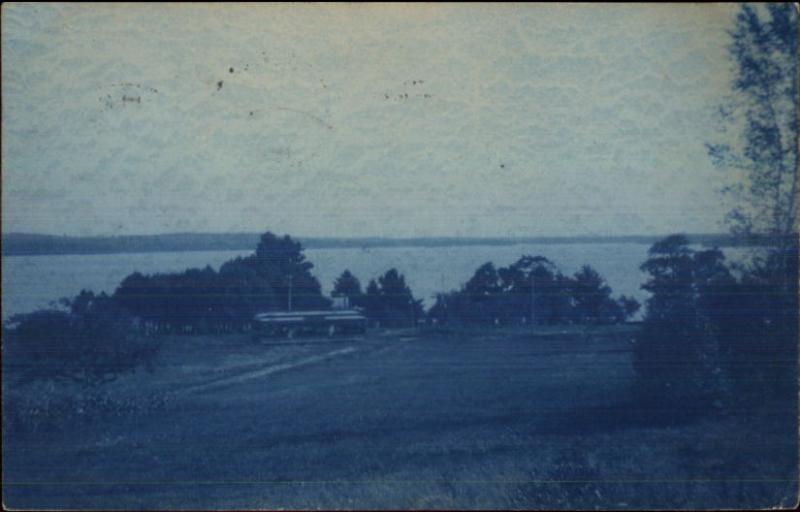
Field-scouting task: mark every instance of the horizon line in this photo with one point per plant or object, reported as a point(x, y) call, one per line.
point(367, 237)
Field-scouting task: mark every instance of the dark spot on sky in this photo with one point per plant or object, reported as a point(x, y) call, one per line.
point(251, 112)
point(502, 166)
point(230, 70)
point(219, 85)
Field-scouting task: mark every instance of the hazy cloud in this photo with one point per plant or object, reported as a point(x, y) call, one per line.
point(390, 120)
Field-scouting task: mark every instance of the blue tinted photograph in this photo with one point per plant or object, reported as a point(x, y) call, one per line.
point(399, 256)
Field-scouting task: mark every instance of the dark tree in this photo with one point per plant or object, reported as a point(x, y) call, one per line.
point(760, 338)
point(449, 308)
point(592, 298)
point(348, 285)
point(275, 277)
point(677, 354)
point(481, 301)
point(760, 120)
point(485, 282)
point(389, 301)
point(281, 262)
point(532, 291)
point(760, 126)
point(628, 307)
point(246, 290)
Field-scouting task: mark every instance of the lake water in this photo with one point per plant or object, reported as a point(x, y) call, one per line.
point(32, 282)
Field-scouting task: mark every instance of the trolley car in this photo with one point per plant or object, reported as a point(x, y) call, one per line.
point(290, 324)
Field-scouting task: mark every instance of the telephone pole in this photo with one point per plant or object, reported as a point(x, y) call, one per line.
point(533, 303)
point(290, 291)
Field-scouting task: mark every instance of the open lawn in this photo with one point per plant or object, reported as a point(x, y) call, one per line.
point(497, 419)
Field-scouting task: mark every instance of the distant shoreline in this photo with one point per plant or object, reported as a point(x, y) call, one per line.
point(25, 244)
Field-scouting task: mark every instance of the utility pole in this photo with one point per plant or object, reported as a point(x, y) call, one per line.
point(533, 302)
point(290, 291)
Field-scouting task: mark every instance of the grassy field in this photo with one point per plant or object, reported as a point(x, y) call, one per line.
point(493, 419)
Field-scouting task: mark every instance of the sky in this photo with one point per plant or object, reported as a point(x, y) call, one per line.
point(362, 120)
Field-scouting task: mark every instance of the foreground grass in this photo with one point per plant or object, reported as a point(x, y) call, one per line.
point(501, 419)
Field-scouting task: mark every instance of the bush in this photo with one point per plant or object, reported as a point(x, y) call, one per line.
point(676, 355)
point(91, 343)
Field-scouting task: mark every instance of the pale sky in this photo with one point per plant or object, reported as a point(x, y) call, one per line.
point(362, 120)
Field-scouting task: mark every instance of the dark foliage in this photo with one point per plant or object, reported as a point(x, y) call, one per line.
point(532, 290)
point(91, 343)
point(280, 267)
point(275, 277)
point(710, 337)
point(762, 110)
point(389, 301)
point(348, 285)
point(759, 328)
point(676, 355)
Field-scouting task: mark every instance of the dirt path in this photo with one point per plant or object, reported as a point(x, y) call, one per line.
point(263, 372)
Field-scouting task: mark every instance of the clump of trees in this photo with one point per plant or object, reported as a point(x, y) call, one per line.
point(532, 290)
point(275, 277)
point(95, 338)
point(713, 335)
point(722, 334)
point(387, 301)
point(90, 343)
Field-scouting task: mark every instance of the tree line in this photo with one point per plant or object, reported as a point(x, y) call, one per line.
point(532, 290)
point(96, 337)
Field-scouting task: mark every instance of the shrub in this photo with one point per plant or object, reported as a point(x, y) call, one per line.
point(91, 343)
point(676, 354)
